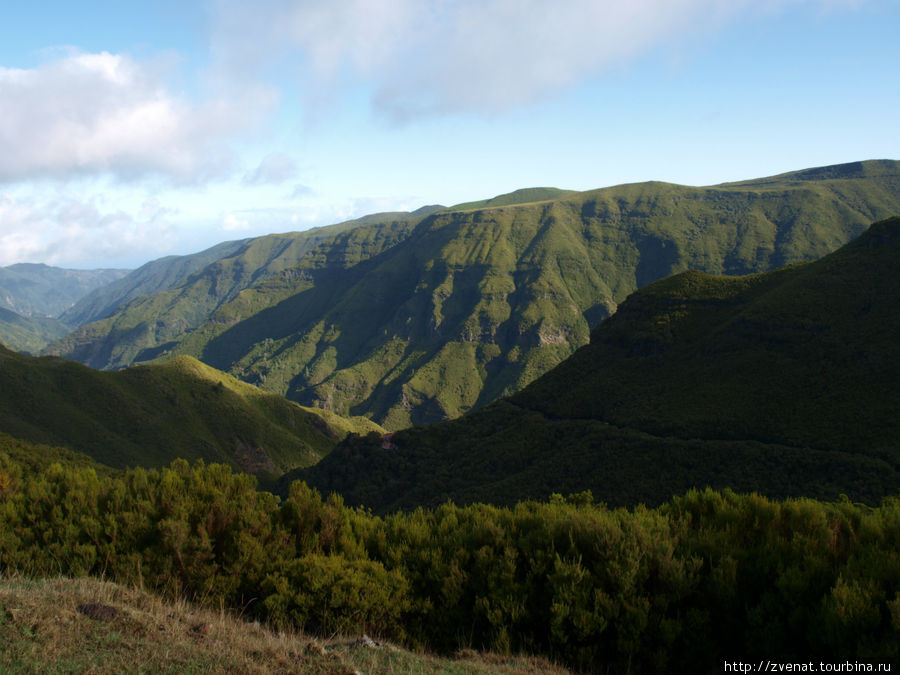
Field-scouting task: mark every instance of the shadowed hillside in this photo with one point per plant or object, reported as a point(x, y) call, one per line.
point(150, 415)
point(783, 383)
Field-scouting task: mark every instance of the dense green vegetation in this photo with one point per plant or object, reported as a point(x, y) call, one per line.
point(150, 415)
point(152, 277)
point(783, 383)
point(424, 318)
point(704, 578)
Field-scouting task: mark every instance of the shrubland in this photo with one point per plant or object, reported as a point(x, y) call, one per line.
point(699, 579)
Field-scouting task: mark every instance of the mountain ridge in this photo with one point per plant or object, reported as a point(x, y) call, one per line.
point(781, 383)
point(441, 314)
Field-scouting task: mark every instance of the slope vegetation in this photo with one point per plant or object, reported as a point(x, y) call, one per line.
point(147, 313)
point(153, 277)
point(783, 383)
point(150, 415)
point(420, 320)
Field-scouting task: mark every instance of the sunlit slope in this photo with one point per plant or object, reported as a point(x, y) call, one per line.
point(783, 382)
point(168, 299)
point(150, 415)
point(152, 277)
point(420, 321)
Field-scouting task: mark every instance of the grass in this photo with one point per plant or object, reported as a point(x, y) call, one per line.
point(43, 631)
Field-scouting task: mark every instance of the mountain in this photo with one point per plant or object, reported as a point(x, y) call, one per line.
point(524, 196)
point(235, 265)
point(28, 334)
point(784, 383)
point(420, 319)
point(153, 277)
point(148, 317)
point(42, 291)
point(151, 415)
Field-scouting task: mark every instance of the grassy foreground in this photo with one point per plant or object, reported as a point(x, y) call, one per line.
point(43, 630)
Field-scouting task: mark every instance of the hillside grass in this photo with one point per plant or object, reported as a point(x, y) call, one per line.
point(42, 630)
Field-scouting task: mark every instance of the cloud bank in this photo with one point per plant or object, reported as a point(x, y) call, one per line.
point(65, 229)
point(108, 114)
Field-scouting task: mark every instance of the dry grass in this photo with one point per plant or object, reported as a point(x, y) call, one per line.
point(42, 630)
point(391, 660)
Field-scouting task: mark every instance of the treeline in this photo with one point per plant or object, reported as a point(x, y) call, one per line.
point(704, 578)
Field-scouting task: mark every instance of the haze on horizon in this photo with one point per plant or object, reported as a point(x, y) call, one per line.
point(136, 130)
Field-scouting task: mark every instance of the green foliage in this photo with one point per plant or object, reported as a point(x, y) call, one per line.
point(425, 317)
point(697, 580)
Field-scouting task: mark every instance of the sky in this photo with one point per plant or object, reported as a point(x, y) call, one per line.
point(134, 130)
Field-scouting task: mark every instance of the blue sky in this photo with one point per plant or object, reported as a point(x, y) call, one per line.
point(129, 131)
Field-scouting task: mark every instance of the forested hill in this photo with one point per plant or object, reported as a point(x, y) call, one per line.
point(150, 415)
point(783, 383)
point(426, 317)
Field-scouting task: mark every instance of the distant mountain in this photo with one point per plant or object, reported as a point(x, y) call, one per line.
point(149, 311)
point(31, 335)
point(42, 291)
point(150, 415)
point(153, 277)
point(421, 318)
point(784, 383)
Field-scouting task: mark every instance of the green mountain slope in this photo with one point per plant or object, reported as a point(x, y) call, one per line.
point(28, 334)
point(523, 196)
point(784, 383)
point(43, 291)
point(150, 415)
point(474, 305)
point(149, 325)
point(153, 277)
point(422, 320)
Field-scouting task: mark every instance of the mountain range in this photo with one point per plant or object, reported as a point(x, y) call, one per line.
point(782, 383)
point(418, 317)
point(34, 296)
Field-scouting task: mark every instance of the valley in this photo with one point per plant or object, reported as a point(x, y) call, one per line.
point(615, 431)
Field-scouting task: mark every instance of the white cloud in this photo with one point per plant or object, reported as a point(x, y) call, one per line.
point(231, 223)
point(275, 167)
point(67, 231)
point(106, 113)
point(431, 56)
point(300, 191)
